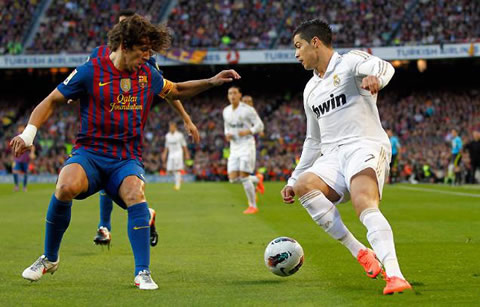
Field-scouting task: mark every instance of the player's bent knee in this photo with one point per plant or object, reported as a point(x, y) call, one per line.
point(304, 185)
point(132, 191)
point(68, 190)
point(362, 201)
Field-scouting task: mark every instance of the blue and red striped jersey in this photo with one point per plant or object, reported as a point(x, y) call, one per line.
point(100, 51)
point(114, 106)
point(103, 50)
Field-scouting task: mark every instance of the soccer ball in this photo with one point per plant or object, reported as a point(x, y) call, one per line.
point(283, 256)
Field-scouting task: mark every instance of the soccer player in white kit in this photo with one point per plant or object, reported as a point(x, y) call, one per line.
point(346, 152)
point(176, 148)
point(241, 122)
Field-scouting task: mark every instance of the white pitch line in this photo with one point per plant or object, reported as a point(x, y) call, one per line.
point(440, 191)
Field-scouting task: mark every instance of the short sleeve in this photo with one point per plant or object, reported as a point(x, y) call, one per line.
point(76, 82)
point(158, 83)
point(154, 63)
point(94, 53)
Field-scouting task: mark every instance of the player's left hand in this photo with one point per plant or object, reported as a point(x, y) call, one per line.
point(371, 83)
point(18, 146)
point(244, 133)
point(192, 131)
point(224, 76)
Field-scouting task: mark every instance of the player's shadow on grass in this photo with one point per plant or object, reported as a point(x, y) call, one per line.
point(258, 282)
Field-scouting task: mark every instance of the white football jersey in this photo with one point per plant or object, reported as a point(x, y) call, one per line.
point(342, 111)
point(338, 110)
point(174, 142)
point(244, 117)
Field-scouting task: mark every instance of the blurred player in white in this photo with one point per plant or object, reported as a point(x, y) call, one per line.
point(176, 149)
point(346, 151)
point(241, 123)
point(260, 188)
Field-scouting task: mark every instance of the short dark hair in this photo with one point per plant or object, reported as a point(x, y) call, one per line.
point(237, 87)
point(135, 30)
point(125, 13)
point(315, 27)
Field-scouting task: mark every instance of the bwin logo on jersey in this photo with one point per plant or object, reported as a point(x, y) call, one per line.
point(331, 104)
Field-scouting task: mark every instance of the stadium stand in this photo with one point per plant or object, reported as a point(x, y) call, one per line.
point(14, 21)
point(80, 26)
point(422, 120)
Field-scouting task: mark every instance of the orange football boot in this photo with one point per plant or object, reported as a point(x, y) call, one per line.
point(250, 210)
point(396, 285)
point(368, 260)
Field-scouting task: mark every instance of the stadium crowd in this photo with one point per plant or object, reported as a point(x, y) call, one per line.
point(15, 20)
point(422, 121)
point(80, 25)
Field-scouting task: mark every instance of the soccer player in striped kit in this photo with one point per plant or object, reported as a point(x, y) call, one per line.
point(116, 94)
point(20, 165)
point(103, 235)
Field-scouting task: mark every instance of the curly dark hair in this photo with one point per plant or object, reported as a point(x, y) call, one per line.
point(135, 30)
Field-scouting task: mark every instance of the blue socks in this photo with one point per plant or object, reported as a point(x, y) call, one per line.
point(139, 235)
point(106, 207)
point(25, 180)
point(15, 179)
point(57, 221)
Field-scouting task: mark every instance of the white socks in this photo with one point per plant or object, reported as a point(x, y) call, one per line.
point(325, 214)
point(249, 190)
point(380, 237)
point(178, 179)
point(253, 179)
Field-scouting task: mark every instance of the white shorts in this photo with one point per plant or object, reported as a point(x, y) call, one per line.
point(338, 165)
point(242, 161)
point(174, 163)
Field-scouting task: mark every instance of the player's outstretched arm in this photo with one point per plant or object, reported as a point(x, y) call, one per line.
point(188, 89)
point(39, 116)
point(187, 121)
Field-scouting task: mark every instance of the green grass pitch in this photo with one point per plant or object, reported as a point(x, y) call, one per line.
point(210, 254)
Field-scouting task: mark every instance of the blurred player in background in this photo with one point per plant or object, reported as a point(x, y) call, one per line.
point(241, 122)
point(103, 235)
point(260, 188)
point(457, 156)
point(473, 148)
point(395, 143)
point(21, 163)
point(346, 151)
point(176, 149)
point(108, 150)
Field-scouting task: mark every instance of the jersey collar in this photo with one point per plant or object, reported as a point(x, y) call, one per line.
point(331, 66)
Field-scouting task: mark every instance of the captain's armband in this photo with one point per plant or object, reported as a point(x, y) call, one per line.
point(167, 88)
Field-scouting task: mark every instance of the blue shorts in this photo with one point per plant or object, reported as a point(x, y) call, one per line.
point(105, 173)
point(20, 166)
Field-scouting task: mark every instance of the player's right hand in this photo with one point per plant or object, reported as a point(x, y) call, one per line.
point(228, 137)
point(288, 194)
point(224, 76)
point(18, 146)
